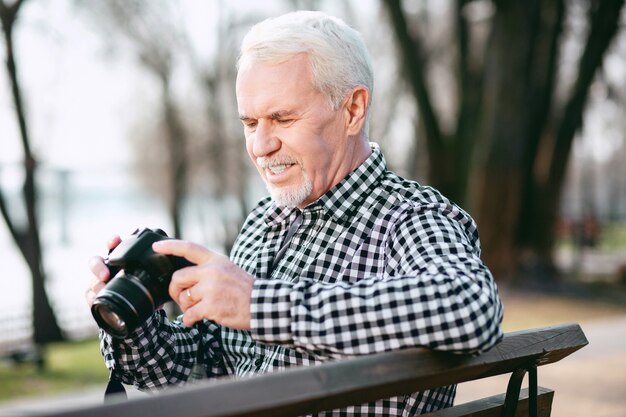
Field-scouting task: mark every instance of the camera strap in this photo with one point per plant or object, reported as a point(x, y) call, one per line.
point(114, 387)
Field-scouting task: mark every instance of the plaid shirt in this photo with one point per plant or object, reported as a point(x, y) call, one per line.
point(378, 263)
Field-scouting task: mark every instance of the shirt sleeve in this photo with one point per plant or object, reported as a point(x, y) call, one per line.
point(161, 353)
point(435, 293)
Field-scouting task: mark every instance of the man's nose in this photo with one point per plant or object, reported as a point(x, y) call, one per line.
point(265, 140)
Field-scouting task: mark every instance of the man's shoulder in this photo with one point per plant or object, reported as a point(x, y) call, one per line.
point(407, 199)
point(402, 190)
point(398, 198)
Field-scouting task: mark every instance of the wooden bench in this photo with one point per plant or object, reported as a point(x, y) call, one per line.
point(361, 379)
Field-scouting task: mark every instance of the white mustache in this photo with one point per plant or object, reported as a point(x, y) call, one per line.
point(267, 162)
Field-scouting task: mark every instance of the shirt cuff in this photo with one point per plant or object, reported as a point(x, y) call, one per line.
point(139, 335)
point(270, 311)
point(147, 329)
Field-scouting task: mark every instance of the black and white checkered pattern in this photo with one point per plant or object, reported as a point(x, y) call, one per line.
point(379, 263)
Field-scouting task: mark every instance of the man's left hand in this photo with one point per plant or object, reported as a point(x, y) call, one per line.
point(215, 288)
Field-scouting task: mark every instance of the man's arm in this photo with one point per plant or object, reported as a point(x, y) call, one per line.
point(436, 293)
point(161, 353)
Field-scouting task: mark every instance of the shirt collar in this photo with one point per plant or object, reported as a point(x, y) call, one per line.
point(345, 197)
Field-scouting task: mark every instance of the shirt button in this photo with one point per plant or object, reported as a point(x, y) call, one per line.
point(258, 361)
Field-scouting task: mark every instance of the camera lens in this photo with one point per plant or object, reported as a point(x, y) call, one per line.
point(123, 304)
point(114, 322)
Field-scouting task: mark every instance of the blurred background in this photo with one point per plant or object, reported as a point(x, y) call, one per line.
point(119, 114)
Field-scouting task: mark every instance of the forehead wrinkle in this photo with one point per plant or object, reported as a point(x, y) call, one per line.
point(273, 115)
point(278, 114)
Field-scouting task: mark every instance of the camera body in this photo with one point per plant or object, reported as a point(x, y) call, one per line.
point(139, 283)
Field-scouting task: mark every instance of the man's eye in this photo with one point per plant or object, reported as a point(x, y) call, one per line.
point(250, 125)
point(285, 121)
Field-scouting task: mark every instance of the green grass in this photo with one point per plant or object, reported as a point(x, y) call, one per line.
point(613, 236)
point(70, 366)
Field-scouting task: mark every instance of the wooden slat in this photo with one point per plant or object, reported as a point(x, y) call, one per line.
point(494, 405)
point(350, 381)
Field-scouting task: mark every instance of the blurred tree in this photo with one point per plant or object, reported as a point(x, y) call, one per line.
point(206, 160)
point(45, 326)
point(154, 40)
point(505, 157)
point(222, 158)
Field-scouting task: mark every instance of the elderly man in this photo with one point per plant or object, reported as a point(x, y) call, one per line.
point(344, 258)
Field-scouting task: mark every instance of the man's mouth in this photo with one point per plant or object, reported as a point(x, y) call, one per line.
point(278, 169)
point(275, 166)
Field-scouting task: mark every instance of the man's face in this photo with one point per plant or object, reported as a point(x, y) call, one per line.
point(297, 142)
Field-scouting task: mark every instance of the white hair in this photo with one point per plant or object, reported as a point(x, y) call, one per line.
point(337, 53)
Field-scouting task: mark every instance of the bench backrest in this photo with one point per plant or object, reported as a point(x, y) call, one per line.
point(350, 381)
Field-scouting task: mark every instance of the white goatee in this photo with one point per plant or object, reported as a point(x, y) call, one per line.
point(286, 196)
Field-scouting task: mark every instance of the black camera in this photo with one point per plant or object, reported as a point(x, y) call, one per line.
point(139, 283)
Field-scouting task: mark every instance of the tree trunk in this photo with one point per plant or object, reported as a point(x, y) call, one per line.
point(542, 77)
point(512, 144)
point(452, 156)
point(505, 128)
point(177, 146)
point(547, 186)
point(45, 324)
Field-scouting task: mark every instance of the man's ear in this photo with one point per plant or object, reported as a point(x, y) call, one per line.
point(356, 109)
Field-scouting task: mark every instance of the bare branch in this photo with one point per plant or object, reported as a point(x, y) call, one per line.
point(414, 66)
point(605, 17)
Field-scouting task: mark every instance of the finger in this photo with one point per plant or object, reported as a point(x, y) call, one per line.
point(98, 268)
point(183, 280)
point(186, 299)
point(90, 297)
point(193, 252)
point(193, 315)
point(113, 242)
point(93, 290)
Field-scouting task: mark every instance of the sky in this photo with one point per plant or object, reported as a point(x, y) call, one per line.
point(78, 101)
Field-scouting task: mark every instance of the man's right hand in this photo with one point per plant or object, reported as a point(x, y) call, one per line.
point(100, 272)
